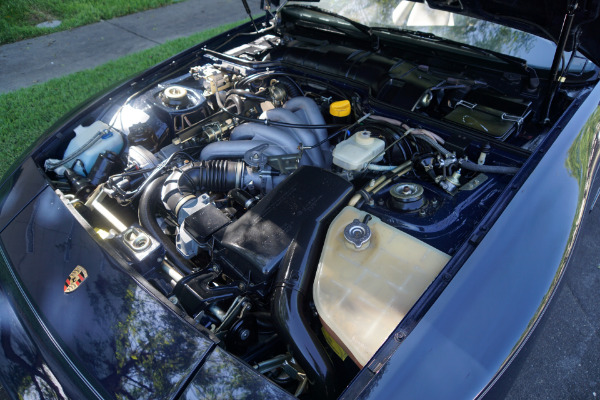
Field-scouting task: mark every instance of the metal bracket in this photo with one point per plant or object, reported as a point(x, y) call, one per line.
point(466, 104)
point(237, 310)
point(284, 163)
point(512, 118)
point(294, 371)
point(474, 183)
point(255, 157)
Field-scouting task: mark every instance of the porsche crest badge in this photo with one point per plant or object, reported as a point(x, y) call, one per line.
point(75, 279)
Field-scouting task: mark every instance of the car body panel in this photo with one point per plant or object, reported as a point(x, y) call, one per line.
point(22, 368)
point(544, 18)
point(541, 17)
point(485, 314)
point(18, 189)
point(110, 328)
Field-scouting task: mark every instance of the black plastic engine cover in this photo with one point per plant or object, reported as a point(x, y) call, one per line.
point(254, 245)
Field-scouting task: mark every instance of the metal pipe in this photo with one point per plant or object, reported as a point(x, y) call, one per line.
point(382, 181)
point(147, 209)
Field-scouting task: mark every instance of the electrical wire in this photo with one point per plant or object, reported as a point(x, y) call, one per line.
point(128, 197)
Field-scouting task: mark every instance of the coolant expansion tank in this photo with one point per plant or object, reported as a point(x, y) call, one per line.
point(362, 293)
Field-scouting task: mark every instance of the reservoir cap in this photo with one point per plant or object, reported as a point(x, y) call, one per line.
point(357, 233)
point(340, 108)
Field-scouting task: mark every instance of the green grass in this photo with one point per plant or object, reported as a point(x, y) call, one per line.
point(27, 113)
point(18, 18)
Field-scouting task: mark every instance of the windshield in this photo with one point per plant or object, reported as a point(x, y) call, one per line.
point(538, 52)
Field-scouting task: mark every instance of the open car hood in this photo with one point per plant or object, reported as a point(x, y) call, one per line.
point(541, 17)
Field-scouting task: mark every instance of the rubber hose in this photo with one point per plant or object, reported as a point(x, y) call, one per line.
point(246, 94)
point(237, 101)
point(290, 88)
point(213, 175)
point(146, 214)
point(290, 314)
point(445, 152)
point(493, 169)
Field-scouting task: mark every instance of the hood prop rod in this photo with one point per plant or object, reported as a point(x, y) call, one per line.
point(555, 80)
point(247, 7)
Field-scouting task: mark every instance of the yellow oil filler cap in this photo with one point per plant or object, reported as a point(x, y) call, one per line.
point(340, 108)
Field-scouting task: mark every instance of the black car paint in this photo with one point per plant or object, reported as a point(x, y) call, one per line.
point(108, 339)
point(119, 339)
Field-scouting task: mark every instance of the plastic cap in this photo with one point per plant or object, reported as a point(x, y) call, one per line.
point(340, 108)
point(364, 138)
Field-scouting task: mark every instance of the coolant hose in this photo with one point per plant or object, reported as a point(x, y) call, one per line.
point(445, 152)
point(146, 213)
point(237, 101)
point(290, 311)
point(493, 169)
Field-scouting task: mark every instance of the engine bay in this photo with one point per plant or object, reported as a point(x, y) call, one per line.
point(295, 197)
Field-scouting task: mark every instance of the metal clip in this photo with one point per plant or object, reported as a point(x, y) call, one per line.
point(512, 118)
point(466, 104)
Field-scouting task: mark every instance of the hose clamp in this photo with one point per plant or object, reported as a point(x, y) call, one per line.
point(182, 202)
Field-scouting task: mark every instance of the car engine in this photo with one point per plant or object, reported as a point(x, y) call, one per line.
point(295, 197)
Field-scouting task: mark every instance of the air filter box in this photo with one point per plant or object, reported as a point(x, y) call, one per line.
point(253, 246)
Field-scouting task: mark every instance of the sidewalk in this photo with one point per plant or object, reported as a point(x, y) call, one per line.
point(40, 59)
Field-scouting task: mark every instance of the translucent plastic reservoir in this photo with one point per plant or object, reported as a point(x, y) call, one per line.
point(357, 151)
point(362, 294)
point(88, 143)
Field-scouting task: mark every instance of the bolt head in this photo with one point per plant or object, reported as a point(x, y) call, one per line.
point(244, 334)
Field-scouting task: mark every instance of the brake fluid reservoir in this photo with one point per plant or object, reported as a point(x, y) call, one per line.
point(368, 277)
point(357, 151)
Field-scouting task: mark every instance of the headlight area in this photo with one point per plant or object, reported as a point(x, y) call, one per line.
point(293, 206)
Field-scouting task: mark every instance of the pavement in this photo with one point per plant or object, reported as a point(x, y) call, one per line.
point(40, 59)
